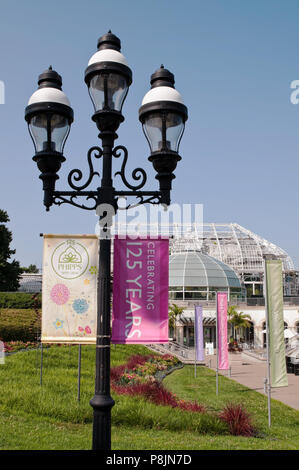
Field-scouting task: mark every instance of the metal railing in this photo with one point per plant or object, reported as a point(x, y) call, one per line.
point(179, 350)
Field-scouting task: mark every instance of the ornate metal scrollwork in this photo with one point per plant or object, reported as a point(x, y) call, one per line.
point(58, 199)
point(77, 174)
point(143, 199)
point(94, 197)
point(137, 174)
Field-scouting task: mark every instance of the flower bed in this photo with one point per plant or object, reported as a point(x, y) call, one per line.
point(14, 346)
point(139, 377)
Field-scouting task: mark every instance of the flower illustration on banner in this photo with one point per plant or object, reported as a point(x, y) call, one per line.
point(58, 323)
point(93, 270)
point(80, 306)
point(60, 294)
point(85, 331)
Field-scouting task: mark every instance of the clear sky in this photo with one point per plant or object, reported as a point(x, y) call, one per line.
point(233, 61)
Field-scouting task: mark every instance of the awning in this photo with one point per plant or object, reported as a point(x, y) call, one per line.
point(287, 333)
point(187, 318)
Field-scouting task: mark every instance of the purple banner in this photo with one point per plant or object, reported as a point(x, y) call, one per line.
point(198, 325)
point(222, 330)
point(140, 291)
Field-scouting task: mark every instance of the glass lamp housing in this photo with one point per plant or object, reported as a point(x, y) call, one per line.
point(49, 132)
point(108, 91)
point(163, 130)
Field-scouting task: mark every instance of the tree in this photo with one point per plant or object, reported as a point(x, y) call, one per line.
point(32, 268)
point(9, 271)
point(174, 312)
point(237, 319)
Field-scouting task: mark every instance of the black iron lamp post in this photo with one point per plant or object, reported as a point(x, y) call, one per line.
point(49, 116)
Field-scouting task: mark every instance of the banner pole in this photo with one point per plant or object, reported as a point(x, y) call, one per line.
point(41, 365)
point(217, 345)
point(79, 371)
point(195, 340)
point(268, 385)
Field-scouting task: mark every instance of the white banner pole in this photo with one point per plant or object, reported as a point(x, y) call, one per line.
point(268, 385)
point(41, 365)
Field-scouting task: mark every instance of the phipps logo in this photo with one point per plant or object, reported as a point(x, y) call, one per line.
point(70, 259)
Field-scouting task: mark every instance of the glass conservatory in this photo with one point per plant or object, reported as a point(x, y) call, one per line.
point(240, 249)
point(194, 275)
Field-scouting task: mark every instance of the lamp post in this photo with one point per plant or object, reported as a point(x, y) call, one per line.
point(49, 116)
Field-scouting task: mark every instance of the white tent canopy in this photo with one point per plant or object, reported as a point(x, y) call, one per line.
point(287, 333)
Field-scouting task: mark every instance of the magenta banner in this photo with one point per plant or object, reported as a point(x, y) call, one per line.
point(222, 330)
point(140, 290)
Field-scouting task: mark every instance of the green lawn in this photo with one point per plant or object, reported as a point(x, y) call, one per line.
point(49, 417)
point(284, 432)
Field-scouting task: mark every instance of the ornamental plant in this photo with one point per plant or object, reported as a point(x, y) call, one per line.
point(238, 420)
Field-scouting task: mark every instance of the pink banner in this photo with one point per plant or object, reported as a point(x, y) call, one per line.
point(222, 330)
point(140, 291)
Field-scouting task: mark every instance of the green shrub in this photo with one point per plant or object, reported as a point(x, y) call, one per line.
point(19, 300)
point(19, 324)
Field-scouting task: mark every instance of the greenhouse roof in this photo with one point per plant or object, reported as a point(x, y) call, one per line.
point(195, 269)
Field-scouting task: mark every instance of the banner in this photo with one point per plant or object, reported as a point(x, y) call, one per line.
point(198, 328)
point(274, 293)
point(69, 294)
point(209, 349)
point(140, 290)
point(222, 330)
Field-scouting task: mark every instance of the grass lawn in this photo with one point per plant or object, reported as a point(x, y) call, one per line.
point(284, 432)
point(49, 417)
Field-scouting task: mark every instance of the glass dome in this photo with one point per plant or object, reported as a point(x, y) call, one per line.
point(194, 275)
point(237, 247)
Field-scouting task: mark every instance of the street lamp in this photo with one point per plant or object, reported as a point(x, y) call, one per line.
point(49, 116)
point(163, 117)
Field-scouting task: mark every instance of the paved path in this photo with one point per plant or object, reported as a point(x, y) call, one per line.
point(251, 372)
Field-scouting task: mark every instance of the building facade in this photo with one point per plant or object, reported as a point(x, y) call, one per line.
point(30, 282)
point(237, 252)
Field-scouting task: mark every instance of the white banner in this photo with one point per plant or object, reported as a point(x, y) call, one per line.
point(69, 295)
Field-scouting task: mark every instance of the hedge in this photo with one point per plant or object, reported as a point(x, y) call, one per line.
point(19, 324)
point(20, 300)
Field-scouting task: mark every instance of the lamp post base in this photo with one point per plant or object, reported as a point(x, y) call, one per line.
point(101, 437)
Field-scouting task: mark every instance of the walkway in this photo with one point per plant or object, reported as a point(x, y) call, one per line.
point(251, 372)
point(245, 369)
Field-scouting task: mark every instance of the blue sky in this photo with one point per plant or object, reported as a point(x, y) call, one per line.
point(233, 62)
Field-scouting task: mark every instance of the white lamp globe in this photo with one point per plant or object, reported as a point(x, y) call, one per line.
point(108, 75)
